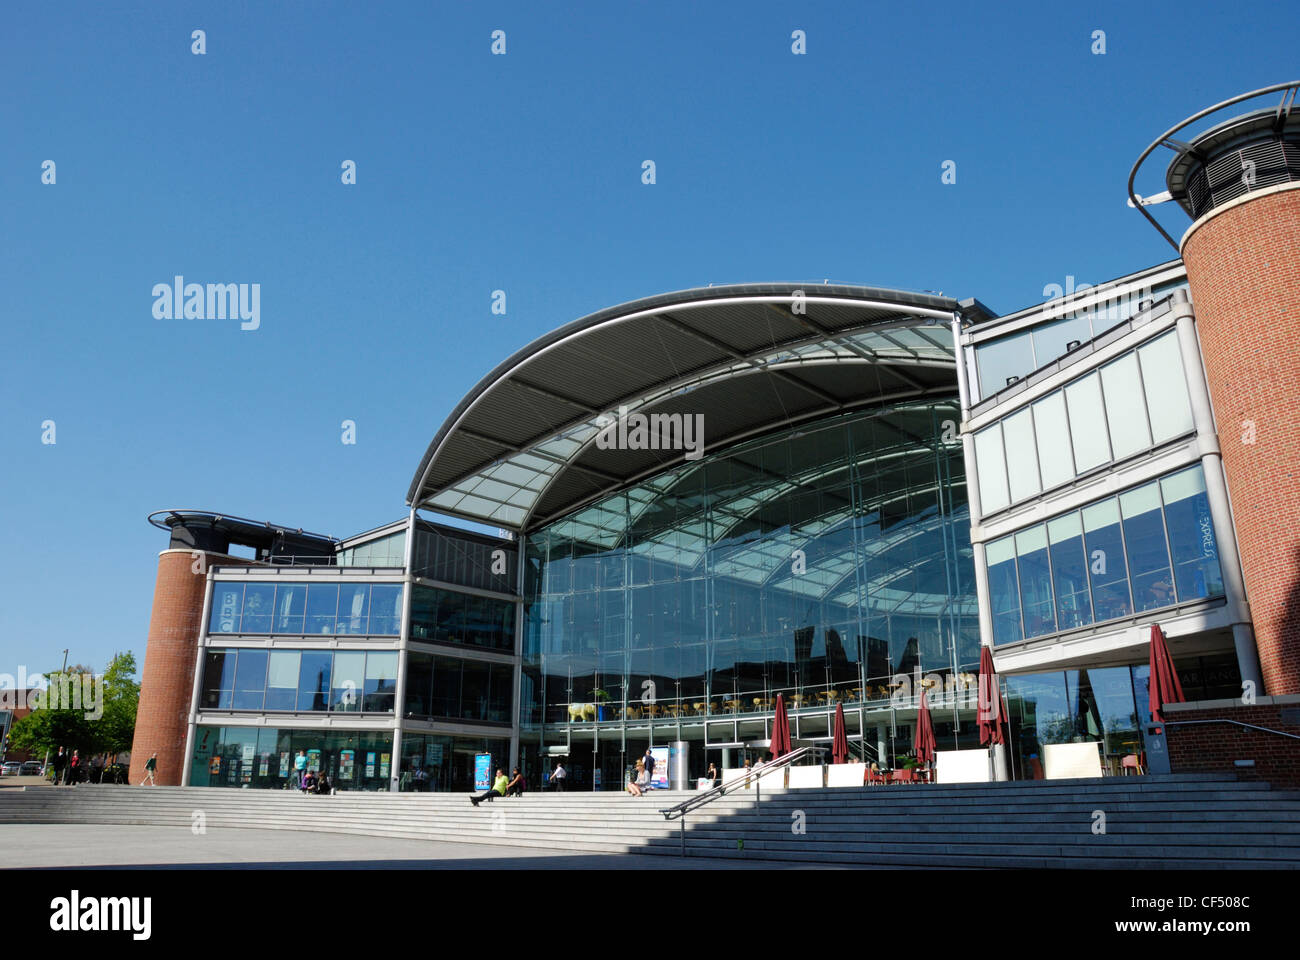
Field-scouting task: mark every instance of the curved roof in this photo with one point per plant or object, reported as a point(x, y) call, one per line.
point(519, 449)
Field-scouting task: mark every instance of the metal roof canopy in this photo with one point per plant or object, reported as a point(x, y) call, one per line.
point(519, 451)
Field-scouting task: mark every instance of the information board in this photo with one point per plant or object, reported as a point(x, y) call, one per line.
point(482, 771)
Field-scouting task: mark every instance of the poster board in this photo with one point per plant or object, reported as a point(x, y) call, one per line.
point(1071, 761)
point(482, 771)
point(660, 779)
point(961, 766)
point(347, 764)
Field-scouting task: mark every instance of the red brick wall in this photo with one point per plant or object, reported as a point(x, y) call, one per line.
point(167, 681)
point(1243, 267)
point(1212, 747)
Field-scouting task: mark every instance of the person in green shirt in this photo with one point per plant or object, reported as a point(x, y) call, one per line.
point(151, 767)
point(498, 789)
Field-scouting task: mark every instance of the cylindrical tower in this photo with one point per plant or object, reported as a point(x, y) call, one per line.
point(1240, 183)
point(170, 658)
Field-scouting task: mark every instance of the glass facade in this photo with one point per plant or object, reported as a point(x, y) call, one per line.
point(271, 607)
point(1131, 404)
point(464, 560)
point(811, 563)
point(1149, 547)
point(265, 757)
point(457, 689)
point(1006, 359)
point(1106, 705)
point(387, 551)
point(303, 681)
point(436, 763)
point(446, 616)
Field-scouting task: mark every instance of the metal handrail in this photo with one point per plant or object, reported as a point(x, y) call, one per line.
point(1239, 723)
point(736, 783)
point(1283, 109)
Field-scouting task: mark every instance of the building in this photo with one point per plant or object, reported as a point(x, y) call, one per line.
point(834, 493)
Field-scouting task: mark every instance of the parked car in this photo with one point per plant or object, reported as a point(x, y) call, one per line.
point(32, 768)
point(11, 769)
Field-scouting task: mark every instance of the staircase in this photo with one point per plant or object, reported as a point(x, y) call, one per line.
point(1161, 822)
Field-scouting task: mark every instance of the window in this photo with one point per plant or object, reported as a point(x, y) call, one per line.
point(1087, 423)
point(1051, 339)
point(314, 680)
point(1165, 386)
point(290, 599)
point(1052, 429)
point(1107, 569)
point(1069, 571)
point(1022, 461)
point(992, 469)
point(282, 680)
point(1002, 359)
point(218, 679)
point(386, 608)
point(354, 608)
point(1125, 409)
point(250, 680)
point(1035, 582)
point(227, 599)
point(259, 602)
point(1004, 592)
point(381, 682)
point(1191, 535)
point(348, 681)
point(322, 605)
point(1148, 552)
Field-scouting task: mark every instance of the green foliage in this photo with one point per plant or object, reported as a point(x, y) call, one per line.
point(68, 727)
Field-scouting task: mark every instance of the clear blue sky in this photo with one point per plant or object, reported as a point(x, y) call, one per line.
point(478, 172)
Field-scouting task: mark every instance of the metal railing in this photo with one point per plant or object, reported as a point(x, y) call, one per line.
point(1237, 723)
point(739, 782)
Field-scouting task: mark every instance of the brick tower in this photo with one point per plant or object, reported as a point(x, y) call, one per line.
point(1240, 183)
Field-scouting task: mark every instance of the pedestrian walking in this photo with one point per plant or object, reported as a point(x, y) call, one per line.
point(150, 768)
point(557, 777)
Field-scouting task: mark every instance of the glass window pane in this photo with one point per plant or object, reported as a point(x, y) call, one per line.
point(354, 607)
point(282, 680)
point(1107, 568)
point(1087, 423)
point(381, 681)
point(1051, 339)
point(218, 680)
point(227, 598)
point(1148, 555)
point(1125, 407)
point(1004, 593)
point(1069, 571)
point(1191, 534)
point(1053, 434)
point(1166, 388)
point(322, 604)
point(992, 469)
point(290, 600)
point(1022, 460)
point(386, 609)
point(1008, 357)
point(314, 680)
point(348, 681)
point(259, 602)
point(250, 680)
point(1035, 582)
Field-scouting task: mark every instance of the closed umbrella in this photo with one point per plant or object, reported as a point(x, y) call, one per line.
point(923, 741)
point(989, 710)
point(840, 743)
point(780, 730)
point(1162, 685)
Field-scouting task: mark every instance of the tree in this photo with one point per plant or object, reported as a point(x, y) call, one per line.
point(107, 727)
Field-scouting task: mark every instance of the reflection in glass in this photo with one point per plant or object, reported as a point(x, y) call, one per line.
point(1069, 571)
point(1107, 567)
point(1191, 535)
point(1035, 581)
point(259, 601)
point(1148, 552)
